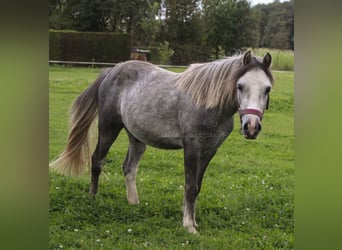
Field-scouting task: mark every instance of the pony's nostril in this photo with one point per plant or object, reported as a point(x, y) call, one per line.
point(258, 127)
point(245, 127)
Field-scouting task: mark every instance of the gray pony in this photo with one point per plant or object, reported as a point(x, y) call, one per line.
point(192, 110)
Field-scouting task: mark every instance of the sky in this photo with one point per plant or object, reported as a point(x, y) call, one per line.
point(255, 2)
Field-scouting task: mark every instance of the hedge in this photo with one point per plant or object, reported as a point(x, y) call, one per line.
point(88, 46)
point(188, 53)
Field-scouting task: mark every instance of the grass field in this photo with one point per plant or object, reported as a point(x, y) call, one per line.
point(246, 202)
point(281, 59)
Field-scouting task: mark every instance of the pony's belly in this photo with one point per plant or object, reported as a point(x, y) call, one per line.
point(163, 142)
point(166, 143)
point(156, 136)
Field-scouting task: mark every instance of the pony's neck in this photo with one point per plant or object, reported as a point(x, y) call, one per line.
point(224, 113)
point(229, 110)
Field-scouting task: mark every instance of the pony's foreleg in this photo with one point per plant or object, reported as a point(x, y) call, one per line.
point(191, 165)
point(106, 138)
point(195, 167)
point(205, 159)
point(130, 167)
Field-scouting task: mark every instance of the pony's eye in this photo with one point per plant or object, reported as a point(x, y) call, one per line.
point(240, 87)
point(267, 90)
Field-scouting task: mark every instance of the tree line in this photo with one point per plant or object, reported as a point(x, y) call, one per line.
point(206, 28)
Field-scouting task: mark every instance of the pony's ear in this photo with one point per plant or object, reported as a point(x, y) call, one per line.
point(267, 60)
point(247, 57)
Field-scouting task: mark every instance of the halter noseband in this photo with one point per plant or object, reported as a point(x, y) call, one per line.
point(252, 111)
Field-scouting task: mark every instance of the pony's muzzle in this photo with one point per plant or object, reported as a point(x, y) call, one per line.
point(251, 127)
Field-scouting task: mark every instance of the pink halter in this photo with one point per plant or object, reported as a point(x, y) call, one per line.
point(252, 111)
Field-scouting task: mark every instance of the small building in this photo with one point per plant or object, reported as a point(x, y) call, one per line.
point(140, 54)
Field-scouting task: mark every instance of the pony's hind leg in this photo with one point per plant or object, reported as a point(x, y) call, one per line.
point(106, 137)
point(130, 167)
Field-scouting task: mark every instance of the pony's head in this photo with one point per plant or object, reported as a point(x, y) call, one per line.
point(253, 85)
point(241, 81)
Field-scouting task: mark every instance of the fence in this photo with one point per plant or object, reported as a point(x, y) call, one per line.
point(93, 64)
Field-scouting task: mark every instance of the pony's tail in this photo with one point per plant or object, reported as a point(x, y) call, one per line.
point(77, 154)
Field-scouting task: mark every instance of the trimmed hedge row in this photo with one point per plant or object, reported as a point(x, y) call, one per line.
point(89, 46)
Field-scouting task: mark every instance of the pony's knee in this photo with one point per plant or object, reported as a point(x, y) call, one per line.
point(97, 162)
point(96, 170)
point(130, 177)
point(130, 169)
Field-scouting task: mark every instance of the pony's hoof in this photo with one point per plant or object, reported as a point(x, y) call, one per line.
point(192, 230)
point(92, 196)
point(133, 198)
point(133, 201)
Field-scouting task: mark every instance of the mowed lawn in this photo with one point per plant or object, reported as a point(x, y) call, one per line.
point(246, 201)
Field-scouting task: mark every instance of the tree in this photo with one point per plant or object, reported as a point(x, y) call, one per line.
point(178, 22)
point(56, 12)
point(276, 25)
point(229, 24)
point(92, 15)
point(143, 23)
point(146, 31)
point(194, 29)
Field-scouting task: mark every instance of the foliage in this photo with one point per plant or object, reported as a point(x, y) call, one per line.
point(184, 28)
point(214, 25)
point(229, 24)
point(276, 25)
point(180, 24)
point(88, 46)
point(161, 54)
point(189, 53)
point(246, 200)
point(99, 16)
point(147, 27)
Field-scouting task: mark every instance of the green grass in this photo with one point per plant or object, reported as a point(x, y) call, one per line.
point(246, 202)
point(176, 69)
point(281, 59)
